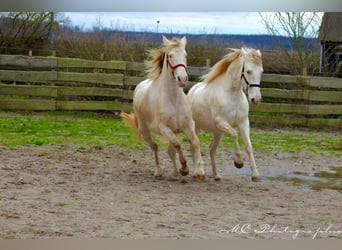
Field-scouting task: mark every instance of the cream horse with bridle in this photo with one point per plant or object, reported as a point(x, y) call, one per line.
point(160, 107)
point(219, 103)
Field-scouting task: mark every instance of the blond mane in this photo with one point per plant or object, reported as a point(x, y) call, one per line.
point(222, 66)
point(155, 65)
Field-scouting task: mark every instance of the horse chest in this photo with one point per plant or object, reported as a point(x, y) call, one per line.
point(234, 112)
point(170, 116)
point(173, 117)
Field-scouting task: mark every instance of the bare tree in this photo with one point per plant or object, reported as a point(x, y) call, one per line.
point(24, 29)
point(303, 28)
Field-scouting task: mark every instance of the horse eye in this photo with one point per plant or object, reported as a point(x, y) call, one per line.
point(249, 72)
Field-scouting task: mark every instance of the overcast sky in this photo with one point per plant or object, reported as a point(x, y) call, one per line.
point(175, 22)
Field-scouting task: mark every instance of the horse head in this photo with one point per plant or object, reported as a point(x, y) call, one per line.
point(176, 60)
point(251, 73)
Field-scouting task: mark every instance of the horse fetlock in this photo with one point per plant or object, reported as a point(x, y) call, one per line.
point(184, 171)
point(158, 174)
point(183, 163)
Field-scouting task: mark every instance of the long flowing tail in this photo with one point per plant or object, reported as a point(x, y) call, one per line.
point(130, 119)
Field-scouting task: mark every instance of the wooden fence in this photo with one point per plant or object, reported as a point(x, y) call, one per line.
point(51, 83)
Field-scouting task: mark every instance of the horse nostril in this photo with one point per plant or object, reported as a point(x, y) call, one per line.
point(253, 100)
point(178, 78)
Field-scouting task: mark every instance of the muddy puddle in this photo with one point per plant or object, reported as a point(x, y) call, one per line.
point(319, 180)
point(331, 179)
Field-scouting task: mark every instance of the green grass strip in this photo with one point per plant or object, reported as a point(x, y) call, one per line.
point(93, 129)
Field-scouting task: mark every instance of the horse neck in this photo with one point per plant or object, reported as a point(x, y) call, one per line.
point(232, 79)
point(168, 85)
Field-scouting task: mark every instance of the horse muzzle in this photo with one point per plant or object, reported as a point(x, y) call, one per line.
point(254, 95)
point(182, 81)
point(181, 77)
point(255, 101)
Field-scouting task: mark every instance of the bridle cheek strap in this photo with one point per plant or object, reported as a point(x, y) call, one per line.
point(173, 67)
point(249, 85)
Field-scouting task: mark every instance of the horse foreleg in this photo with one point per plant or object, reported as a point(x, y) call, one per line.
point(244, 129)
point(196, 152)
point(238, 160)
point(212, 149)
point(224, 126)
point(174, 140)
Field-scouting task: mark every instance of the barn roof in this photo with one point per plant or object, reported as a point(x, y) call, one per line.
point(330, 29)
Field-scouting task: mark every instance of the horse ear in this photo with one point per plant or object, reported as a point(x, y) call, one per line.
point(183, 41)
point(165, 40)
point(259, 52)
point(243, 51)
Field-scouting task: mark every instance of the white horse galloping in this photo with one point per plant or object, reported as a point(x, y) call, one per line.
point(160, 107)
point(220, 105)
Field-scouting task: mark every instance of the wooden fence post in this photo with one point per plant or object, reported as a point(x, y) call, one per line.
point(207, 62)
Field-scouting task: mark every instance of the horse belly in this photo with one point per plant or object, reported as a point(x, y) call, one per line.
point(201, 111)
point(142, 101)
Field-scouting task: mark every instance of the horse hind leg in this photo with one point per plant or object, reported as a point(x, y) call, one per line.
point(153, 145)
point(158, 171)
point(212, 150)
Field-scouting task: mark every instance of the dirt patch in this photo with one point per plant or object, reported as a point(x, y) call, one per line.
point(66, 191)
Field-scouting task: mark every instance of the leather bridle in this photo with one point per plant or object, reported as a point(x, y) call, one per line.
point(245, 79)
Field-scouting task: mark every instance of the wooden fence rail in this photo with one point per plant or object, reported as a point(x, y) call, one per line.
point(51, 83)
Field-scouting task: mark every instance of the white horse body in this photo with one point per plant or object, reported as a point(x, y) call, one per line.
point(166, 106)
point(160, 107)
point(221, 105)
point(211, 101)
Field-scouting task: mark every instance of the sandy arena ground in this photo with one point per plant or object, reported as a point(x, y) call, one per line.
point(66, 191)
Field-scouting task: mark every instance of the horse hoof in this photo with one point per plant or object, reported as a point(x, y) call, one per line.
point(217, 178)
point(182, 180)
point(238, 165)
point(158, 177)
point(256, 178)
point(184, 172)
point(199, 177)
